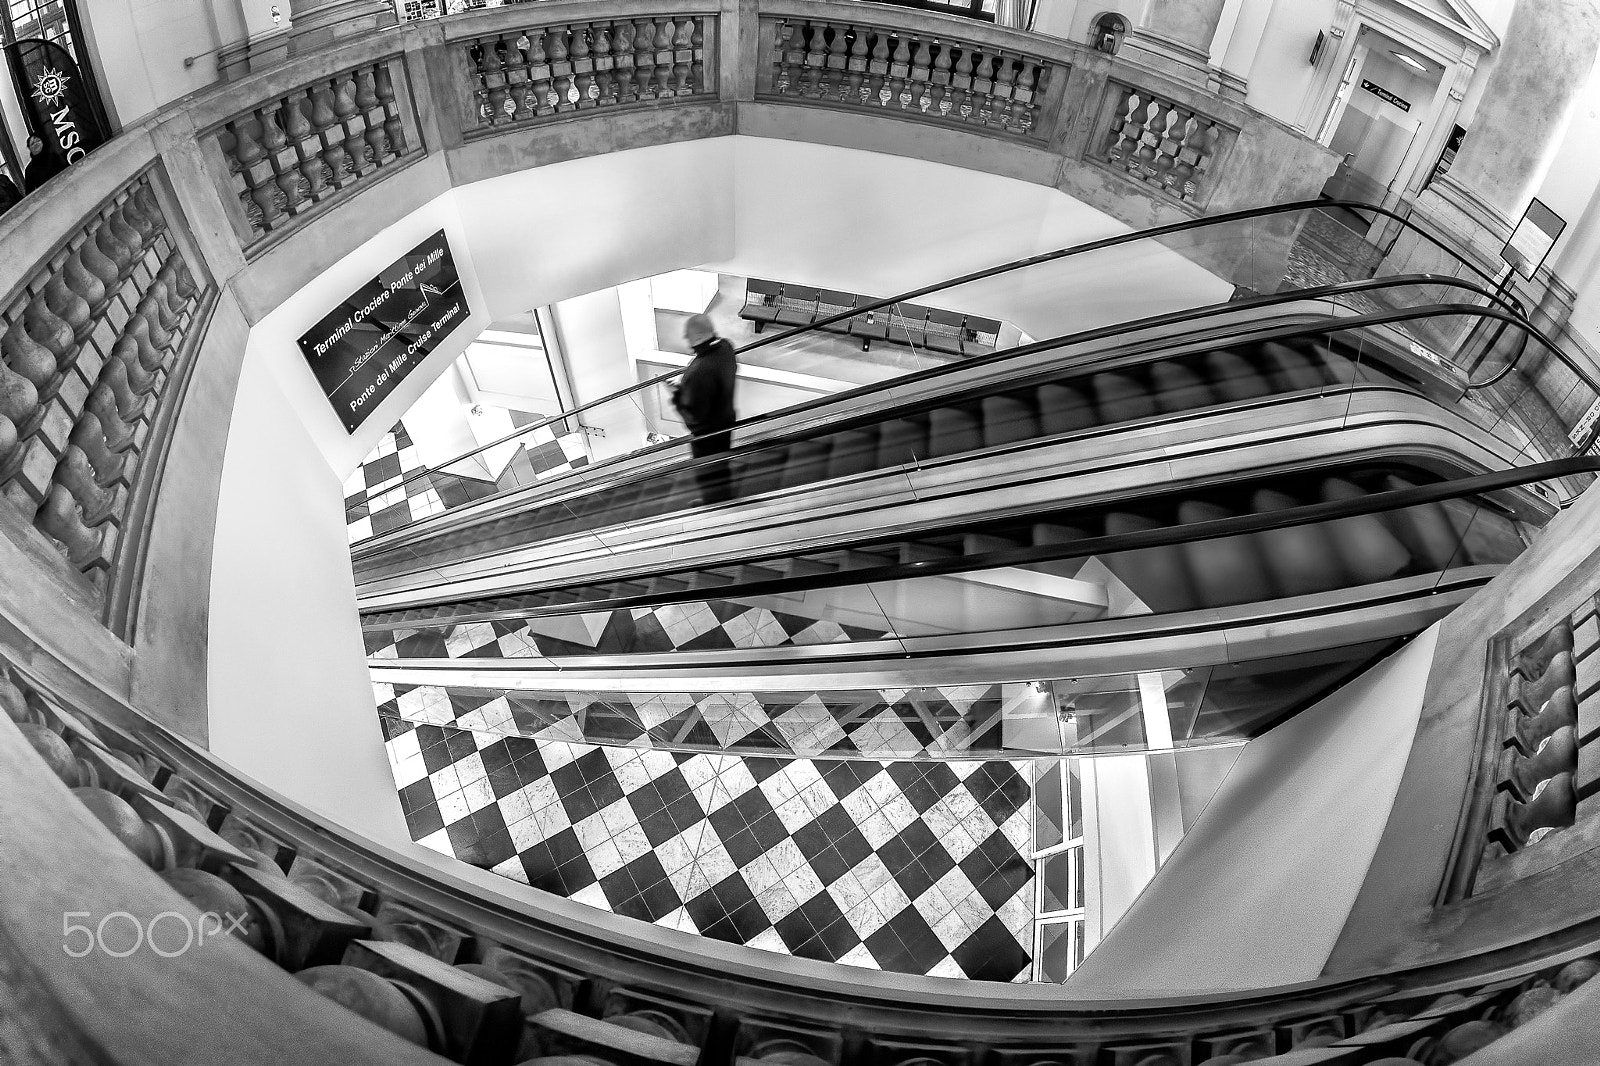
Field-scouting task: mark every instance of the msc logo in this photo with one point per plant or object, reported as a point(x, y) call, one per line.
point(49, 87)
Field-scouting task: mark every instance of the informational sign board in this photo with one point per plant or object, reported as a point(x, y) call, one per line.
point(368, 344)
point(1533, 238)
point(1385, 95)
point(1581, 431)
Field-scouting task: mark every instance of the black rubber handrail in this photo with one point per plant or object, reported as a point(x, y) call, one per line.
point(1304, 514)
point(981, 275)
point(1085, 336)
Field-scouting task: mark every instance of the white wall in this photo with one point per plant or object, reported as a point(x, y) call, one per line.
point(140, 46)
point(1281, 75)
point(1258, 891)
point(291, 704)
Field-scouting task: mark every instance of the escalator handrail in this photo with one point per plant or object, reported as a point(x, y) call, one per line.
point(1085, 336)
point(980, 275)
point(1303, 514)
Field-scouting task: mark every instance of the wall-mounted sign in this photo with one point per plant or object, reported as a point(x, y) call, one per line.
point(1317, 46)
point(1385, 95)
point(58, 103)
point(368, 344)
point(1581, 431)
point(1452, 145)
point(1533, 238)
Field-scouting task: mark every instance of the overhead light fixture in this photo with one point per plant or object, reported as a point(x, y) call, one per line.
point(1409, 61)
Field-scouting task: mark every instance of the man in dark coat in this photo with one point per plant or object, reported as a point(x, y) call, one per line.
point(42, 166)
point(704, 399)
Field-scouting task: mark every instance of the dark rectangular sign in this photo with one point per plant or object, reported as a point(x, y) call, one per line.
point(369, 343)
point(58, 103)
point(1384, 94)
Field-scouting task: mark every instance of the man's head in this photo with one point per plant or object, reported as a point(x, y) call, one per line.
point(35, 145)
point(698, 330)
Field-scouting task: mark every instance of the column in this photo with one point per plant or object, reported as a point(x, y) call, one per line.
point(316, 23)
point(1174, 36)
point(1544, 63)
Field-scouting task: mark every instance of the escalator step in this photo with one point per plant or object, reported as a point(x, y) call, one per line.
point(1367, 549)
point(1065, 409)
point(1301, 558)
point(1178, 388)
point(1158, 576)
point(663, 585)
point(1121, 398)
point(1225, 570)
point(1008, 419)
point(1291, 371)
point(809, 566)
point(984, 543)
point(914, 551)
point(863, 559)
point(901, 441)
point(1425, 530)
point(1340, 370)
point(953, 431)
point(762, 472)
point(807, 462)
point(854, 451)
point(1046, 533)
point(750, 573)
point(1234, 377)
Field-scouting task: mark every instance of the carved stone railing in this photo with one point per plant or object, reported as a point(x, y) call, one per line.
point(557, 71)
point(1170, 147)
point(89, 345)
point(473, 978)
point(300, 149)
point(936, 75)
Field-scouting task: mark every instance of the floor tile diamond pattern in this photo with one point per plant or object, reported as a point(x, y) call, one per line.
point(912, 867)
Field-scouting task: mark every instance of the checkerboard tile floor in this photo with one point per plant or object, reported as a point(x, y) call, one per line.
point(702, 626)
point(384, 494)
point(911, 867)
point(933, 722)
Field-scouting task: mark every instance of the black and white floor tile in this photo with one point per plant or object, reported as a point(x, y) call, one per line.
point(712, 625)
point(391, 489)
point(951, 721)
point(904, 866)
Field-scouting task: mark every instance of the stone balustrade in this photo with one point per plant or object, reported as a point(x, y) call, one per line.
point(554, 71)
point(297, 150)
point(1171, 148)
point(89, 344)
point(933, 75)
point(453, 977)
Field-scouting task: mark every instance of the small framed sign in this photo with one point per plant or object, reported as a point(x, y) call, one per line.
point(1533, 238)
point(367, 345)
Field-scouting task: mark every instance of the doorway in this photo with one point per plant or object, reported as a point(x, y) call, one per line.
point(1383, 98)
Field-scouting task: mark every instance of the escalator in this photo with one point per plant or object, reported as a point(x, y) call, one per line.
point(1328, 529)
point(983, 410)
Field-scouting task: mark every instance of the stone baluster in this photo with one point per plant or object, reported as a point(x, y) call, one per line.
point(493, 78)
point(477, 54)
point(131, 407)
point(1120, 141)
point(1005, 79)
point(663, 59)
point(275, 139)
point(1024, 113)
point(27, 357)
point(145, 197)
point(559, 51)
point(582, 55)
point(644, 57)
point(142, 222)
point(297, 125)
point(605, 84)
point(81, 280)
point(697, 52)
point(683, 54)
point(344, 106)
point(855, 90)
point(97, 505)
point(1166, 146)
point(962, 80)
point(367, 96)
point(140, 378)
point(1553, 806)
point(119, 433)
point(1200, 147)
point(19, 403)
point(247, 151)
point(126, 234)
point(900, 70)
point(326, 121)
point(152, 307)
point(1558, 754)
point(1555, 714)
point(877, 70)
point(121, 255)
point(97, 263)
point(394, 129)
point(68, 306)
point(788, 41)
point(836, 59)
point(50, 330)
point(110, 468)
point(983, 87)
point(60, 518)
point(922, 74)
point(537, 99)
point(377, 140)
point(622, 51)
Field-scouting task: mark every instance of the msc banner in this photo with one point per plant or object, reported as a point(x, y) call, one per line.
point(59, 107)
point(369, 343)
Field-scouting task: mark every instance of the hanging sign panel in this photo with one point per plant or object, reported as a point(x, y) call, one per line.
point(59, 109)
point(368, 344)
point(1385, 95)
point(1533, 238)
